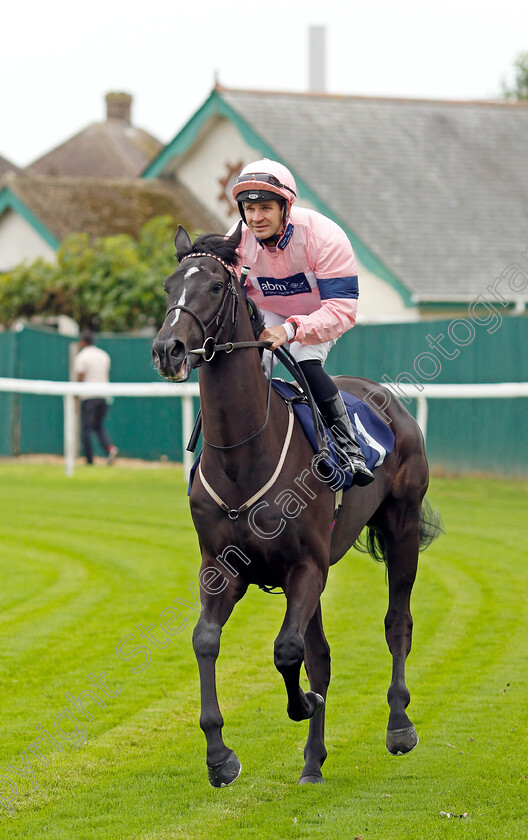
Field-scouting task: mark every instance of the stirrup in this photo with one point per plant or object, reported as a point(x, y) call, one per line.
point(362, 474)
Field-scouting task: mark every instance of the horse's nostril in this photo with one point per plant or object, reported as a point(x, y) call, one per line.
point(157, 351)
point(177, 350)
point(168, 354)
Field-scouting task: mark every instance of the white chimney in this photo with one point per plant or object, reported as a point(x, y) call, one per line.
point(317, 59)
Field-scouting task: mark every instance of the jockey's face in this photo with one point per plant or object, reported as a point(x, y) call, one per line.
point(264, 218)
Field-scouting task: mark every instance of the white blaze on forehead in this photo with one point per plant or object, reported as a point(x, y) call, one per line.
point(181, 302)
point(188, 273)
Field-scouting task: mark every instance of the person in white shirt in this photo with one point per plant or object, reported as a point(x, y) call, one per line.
point(93, 365)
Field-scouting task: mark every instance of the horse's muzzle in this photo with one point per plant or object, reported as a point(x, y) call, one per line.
point(170, 358)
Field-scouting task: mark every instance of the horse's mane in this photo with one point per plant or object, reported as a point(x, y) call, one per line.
point(212, 243)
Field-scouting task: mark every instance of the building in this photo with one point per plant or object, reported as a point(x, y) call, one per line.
point(433, 195)
point(111, 149)
point(89, 184)
point(38, 212)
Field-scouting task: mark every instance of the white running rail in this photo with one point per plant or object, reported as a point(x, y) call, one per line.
point(69, 390)
point(498, 390)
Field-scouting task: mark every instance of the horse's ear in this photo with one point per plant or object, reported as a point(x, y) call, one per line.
point(182, 240)
point(236, 236)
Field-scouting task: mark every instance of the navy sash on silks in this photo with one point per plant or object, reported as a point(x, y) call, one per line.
point(374, 437)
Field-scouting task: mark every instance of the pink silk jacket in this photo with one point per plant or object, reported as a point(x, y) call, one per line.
point(310, 278)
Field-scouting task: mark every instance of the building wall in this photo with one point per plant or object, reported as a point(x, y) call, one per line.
point(378, 301)
point(20, 242)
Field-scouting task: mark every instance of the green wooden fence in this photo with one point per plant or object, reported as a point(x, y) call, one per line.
point(463, 435)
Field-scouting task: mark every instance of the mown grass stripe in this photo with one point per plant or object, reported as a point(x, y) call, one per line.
point(141, 772)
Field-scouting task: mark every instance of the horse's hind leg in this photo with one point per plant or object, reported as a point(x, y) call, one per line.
point(317, 663)
point(401, 532)
point(222, 764)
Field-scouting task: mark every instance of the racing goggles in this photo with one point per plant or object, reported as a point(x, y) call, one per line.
point(264, 178)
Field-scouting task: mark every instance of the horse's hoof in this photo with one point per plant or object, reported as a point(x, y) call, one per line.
point(311, 780)
point(318, 700)
point(225, 773)
point(401, 741)
point(316, 703)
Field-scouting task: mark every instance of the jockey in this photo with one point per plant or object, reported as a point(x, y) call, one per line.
point(304, 279)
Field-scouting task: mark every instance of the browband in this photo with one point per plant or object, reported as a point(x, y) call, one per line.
point(227, 267)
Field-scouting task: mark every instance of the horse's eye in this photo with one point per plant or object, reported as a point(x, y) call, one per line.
point(218, 287)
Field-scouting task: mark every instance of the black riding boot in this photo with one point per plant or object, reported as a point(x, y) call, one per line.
point(336, 418)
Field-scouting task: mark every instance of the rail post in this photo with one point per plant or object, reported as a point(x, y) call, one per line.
point(70, 434)
point(421, 414)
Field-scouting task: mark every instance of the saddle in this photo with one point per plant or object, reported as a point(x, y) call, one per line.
point(374, 437)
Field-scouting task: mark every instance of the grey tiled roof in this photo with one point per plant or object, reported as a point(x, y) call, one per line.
point(101, 207)
point(437, 190)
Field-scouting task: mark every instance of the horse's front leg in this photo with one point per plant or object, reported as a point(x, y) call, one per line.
point(222, 764)
point(402, 545)
point(302, 591)
point(317, 662)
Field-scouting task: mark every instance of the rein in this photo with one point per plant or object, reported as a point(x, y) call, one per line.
point(253, 436)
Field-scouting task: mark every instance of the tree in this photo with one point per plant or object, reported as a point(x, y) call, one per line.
point(520, 87)
point(112, 284)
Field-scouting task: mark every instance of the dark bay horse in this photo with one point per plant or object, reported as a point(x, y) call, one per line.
point(264, 516)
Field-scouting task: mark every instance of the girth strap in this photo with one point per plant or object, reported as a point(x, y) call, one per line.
point(231, 512)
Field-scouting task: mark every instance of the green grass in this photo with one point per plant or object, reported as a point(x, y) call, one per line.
point(85, 560)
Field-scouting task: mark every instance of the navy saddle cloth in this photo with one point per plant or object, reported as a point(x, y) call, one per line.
point(374, 437)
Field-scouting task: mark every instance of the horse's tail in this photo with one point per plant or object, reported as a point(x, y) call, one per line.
point(371, 540)
point(431, 525)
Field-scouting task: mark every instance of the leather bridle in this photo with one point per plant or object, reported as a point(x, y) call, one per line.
point(229, 298)
point(210, 348)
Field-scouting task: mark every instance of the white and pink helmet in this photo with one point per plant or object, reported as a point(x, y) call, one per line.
point(265, 180)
